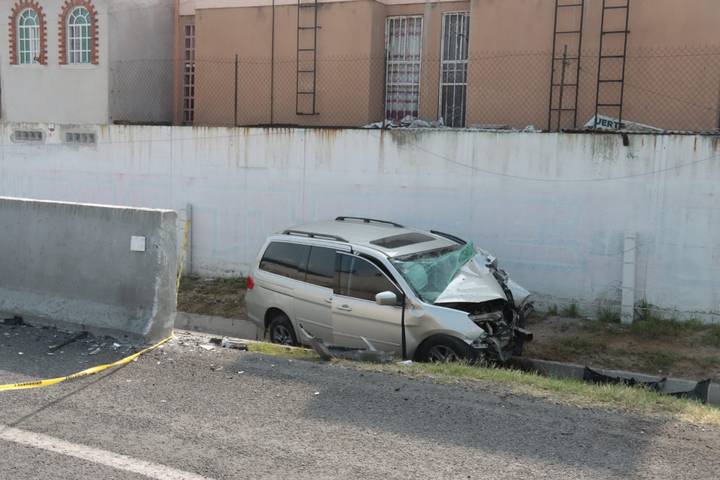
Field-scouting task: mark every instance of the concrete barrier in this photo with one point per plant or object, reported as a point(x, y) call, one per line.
point(108, 270)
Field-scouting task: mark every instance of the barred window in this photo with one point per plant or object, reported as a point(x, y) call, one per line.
point(28, 37)
point(403, 46)
point(79, 36)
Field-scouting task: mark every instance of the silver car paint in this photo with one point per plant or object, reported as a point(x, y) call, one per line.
point(342, 320)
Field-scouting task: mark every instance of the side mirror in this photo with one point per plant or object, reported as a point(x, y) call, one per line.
point(386, 298)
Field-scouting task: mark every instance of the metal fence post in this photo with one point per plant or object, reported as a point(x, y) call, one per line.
point(235, 122)
point(188, 246)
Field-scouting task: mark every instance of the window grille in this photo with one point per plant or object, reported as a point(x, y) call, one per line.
point(189, 76)
point(79, 36)
point(403, 47)
point(454, 68)
point(28, 37)
point(80, 138)
point(30, 136)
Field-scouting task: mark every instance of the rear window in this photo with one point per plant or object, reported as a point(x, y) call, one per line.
point(402, 240)
point(286, 259)
point(321, 267)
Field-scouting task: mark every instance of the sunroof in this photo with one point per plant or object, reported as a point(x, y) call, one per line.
point(402, 240)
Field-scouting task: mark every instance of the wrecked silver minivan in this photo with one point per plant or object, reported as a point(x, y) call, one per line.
point(364, 283)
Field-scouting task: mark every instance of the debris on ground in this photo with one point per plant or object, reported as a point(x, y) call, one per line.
point(72, 339)
point(700, 392)
point(15, 321)
point(328, 352)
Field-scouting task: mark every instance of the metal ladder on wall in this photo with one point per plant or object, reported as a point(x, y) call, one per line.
point(609, 59)
point(307, 27)
point(568, 63)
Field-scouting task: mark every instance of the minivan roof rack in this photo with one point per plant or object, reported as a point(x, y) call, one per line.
point(322, 236)
point(449, 237)
point(369, 220)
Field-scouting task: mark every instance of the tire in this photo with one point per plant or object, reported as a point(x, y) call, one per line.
point(445, 349)
point(281, 331)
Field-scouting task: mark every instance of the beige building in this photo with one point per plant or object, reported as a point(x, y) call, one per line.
point(475, 62)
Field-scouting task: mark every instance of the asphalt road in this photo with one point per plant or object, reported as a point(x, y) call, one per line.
point(185, 412)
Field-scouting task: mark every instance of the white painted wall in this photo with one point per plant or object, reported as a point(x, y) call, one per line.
point(553, 207)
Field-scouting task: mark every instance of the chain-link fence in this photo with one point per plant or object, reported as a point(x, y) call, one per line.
point(664, 88)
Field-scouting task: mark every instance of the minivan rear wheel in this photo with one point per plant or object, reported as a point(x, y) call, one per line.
point(445, 349)
point(281, 331)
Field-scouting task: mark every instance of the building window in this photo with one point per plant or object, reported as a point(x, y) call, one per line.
point(453, 68)
point(27, 34)
point(78, 33)
point(188, 110)
point(78, 36)
point(403, 48)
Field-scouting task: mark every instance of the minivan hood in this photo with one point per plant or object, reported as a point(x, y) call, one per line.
point(474, 283)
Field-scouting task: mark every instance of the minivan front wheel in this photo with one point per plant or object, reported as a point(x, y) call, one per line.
point(444, 349)
point(281, 331)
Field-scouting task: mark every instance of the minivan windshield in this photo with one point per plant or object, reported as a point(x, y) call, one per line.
point(430, 272)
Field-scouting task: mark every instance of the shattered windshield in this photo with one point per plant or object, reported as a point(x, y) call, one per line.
point(430, 272)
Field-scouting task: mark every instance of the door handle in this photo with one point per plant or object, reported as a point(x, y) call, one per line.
point(345, 308)
point(328, 300)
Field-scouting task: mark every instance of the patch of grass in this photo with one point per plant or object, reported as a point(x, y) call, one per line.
point(606, 315)
point(222, 297)
point(566, 391)
point(569, 347)
point(552, 311)
point(712, 336)
point(275, 350)
point(571, 311)
point(659, 360)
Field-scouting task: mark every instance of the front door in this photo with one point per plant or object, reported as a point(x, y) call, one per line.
point(354, 311)
point(314, 299)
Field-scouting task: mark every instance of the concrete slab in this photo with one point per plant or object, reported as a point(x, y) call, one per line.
point(231, 327)
point(109, 270)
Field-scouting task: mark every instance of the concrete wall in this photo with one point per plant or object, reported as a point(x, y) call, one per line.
point(71, 266)
point(553, 207)
point(141, 67)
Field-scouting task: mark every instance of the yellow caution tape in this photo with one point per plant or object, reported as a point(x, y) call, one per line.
point(84, 373)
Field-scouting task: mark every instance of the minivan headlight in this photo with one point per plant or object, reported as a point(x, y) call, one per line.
point(486, 317)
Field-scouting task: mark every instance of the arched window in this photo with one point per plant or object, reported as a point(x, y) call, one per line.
point(78, 34)
point(27, 33)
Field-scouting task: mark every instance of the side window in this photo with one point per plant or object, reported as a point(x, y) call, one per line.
point(286, 259)
point(361, 279)
point(321, 267)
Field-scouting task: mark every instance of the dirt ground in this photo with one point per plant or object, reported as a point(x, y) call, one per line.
point(658, 347)
point(222, 297)
point(650, 346)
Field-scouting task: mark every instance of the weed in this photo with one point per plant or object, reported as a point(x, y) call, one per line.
point(712, 336)
point(659, 360)
point(552, 311)
point(605, 315)
point(571, 311)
